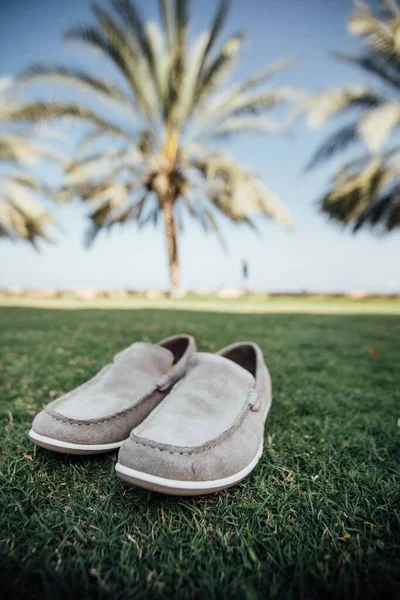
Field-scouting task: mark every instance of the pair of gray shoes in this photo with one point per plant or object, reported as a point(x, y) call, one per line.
point(186, 422)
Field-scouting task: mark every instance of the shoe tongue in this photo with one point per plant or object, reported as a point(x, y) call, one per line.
point(144, 352)
point(217, 366)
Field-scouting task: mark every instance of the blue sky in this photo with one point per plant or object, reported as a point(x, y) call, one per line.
point(318, 255)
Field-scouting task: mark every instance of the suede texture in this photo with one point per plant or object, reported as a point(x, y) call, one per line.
point(193, 413)
point(221, 455)
point(226, 455)
point(106, 408)
point(114, 428)
point(130, 377)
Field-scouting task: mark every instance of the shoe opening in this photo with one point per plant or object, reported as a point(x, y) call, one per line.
point(177, 346)
point(243, 355)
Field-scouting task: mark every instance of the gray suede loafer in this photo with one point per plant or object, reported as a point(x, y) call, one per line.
point(100, 414)
point(207, 434)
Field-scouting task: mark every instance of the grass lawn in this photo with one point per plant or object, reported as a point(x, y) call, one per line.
point(319, 517)
point(251, 303)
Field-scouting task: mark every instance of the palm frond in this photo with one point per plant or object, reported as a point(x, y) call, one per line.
point(103, 165)
point(218, 23)
point(112, 41)
point(352, 194)
point(321, 107)
point(161, 59)
point(214, 74)
point(167, 20)
point(260, 102)
point(377, 124)
point(135, 64)
point(241, 99)
point(149, 217)
point(178, 60)
point(96, 133)
point(377, 65)
point(243, 126)
point(383, 212)
point(392, 8)
point(265, 74)
point(42, 111)
point(337, 142)
point(96, 39)
point(378, 34)
point(145, 39)
point(186, 99)
point(182, 21)
point(132, 19)
point(212, 224)
point(18, 148)
point(190, 80)
point(7, 150)
point(27, 181)
point(238, 194)
point(239, 94)
point(21, 216)
point(76, 78)
point(112, 202)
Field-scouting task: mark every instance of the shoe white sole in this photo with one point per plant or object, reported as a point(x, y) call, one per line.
point(69, 448)
point(184, 488)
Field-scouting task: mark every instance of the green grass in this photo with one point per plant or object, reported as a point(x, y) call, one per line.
point(319, 517)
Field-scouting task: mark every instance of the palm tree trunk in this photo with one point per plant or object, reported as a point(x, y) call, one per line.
point(172, 247)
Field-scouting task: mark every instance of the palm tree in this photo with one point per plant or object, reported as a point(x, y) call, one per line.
point(365, 190)
point(22, 215)
point(159, 155)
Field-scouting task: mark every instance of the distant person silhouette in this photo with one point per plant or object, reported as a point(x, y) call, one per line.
point(245, 274)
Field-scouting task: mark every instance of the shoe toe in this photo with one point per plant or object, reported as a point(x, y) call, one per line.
point(45, 424)
point(182, 464)
point(56, 427)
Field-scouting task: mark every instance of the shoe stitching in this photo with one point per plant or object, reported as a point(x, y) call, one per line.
point(205, 447)
point(88, 384)
point(118, 415)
